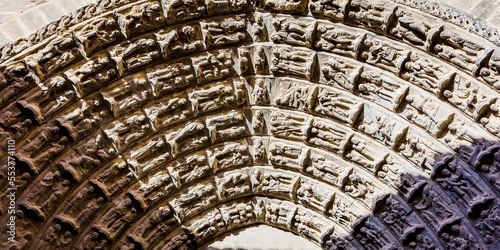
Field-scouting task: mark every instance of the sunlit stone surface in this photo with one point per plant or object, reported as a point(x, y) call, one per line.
point(297, 124)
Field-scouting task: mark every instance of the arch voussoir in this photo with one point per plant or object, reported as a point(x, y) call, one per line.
point(168, 125)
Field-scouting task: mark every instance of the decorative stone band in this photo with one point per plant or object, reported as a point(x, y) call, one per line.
point(181, 118)
point(103, 7)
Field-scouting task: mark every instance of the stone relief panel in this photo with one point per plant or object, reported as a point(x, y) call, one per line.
point(93, 74)
point(171, 77)
point(99, 33)
point(219, 121)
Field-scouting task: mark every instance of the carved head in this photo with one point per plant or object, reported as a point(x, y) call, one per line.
point(54, 130)
point(448, 94)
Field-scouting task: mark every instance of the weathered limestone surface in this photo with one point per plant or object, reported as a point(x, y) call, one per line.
point(172, 124)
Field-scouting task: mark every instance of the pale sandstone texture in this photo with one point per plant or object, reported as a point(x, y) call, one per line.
point(166, 124)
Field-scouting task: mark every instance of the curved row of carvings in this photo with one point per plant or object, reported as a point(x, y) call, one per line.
point(464, 52)
point(120, 138)
point(472, 54)
point(271, 155)
point(117, 145)
point(480, 106)
point(426, 203)
point(74, 143)
point(335, 9)
point(464, 93)
point(455, 16)
point(333, 103)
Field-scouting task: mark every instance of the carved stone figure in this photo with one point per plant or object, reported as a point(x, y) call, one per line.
point(296, 62)
point(225, 31)
point(327, 136)
point(54, 95)
point(460, 49)
point(390, 172)
point(489, 223)
point(410, 27)
point(194, 199)
point(260, 92)
point(427, 113)
point(341, 213)
point(59, 53)
point(260, 60)
point(294, 32)
point(288, 125)
point(327, 170)
point(382, 127)
point(181, 10)
point(88, 211)
point(178, 240)
point(154, 226)
point(338, 105)
point(128, 94)
point(427, 73)
point(258, 122)
point(180, 41)
point(213, 66)
point(340, 72)
point(84, 116)
point(294, 95)
point(383, 54)
point(287, 6)
point(373, 235)
point(231, 155)
point(359, 187)
point(380, 88)
point(93, 73)
point(279, 213)
point(190, 136)
point(331, 9)
point(462, 184)
point(491, 73)
point(189, 168)
point(227, 6)
point(225, 126)
point(419, 150)
point(469, 97)
point(374, 15)
point(127, 130)
point(238, 214)
point(259, 152)
point(293, 156)
point(169, 110)
point(171, 77)
point(432, 208)
point(310, 224)
point(245, 65)
point(141, 18)
point(208, 225)
point(148, 155)
point(133, 54)
point(16, 78)
point(98, 34)
point(333, 242)
point(366, 154)
point(233, 184)
point(314, 194)
point(280, 183)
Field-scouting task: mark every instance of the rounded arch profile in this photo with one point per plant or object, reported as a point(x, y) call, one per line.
point(168, 124)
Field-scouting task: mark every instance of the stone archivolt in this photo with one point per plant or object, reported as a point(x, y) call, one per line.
point(168, 124)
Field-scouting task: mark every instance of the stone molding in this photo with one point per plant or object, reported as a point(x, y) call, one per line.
point(200, 122)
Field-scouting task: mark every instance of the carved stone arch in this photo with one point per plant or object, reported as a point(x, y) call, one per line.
point(377, 119)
